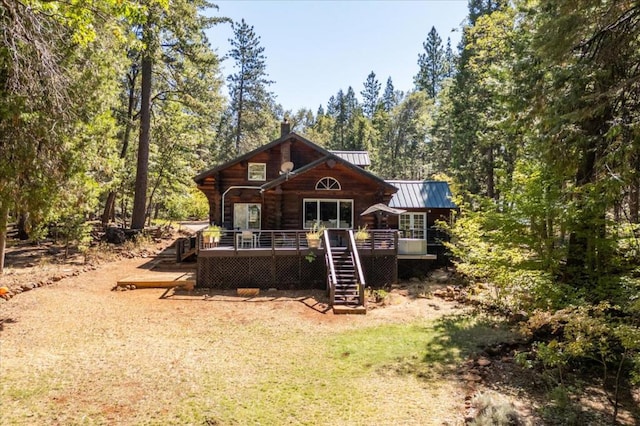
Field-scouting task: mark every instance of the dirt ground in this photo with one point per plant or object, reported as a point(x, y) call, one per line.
point(72, 300)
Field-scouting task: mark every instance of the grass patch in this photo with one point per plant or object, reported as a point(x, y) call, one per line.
point(375, 375)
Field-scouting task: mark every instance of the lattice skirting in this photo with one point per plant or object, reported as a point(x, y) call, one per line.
point(379, 271)
point(281, 272)
point(285, 272)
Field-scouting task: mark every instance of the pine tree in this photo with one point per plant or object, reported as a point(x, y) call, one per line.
point(149, 38)
point(251, 102)
point(449, 61)
point(389, 97)
point(478, 8)
point(432, 65)
point(370, 95)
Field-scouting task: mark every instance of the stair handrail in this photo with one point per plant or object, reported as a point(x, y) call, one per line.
point(332, 271)
point(327, 244)
point(356, 260)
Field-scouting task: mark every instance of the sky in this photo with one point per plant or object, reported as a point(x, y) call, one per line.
point(315, 48)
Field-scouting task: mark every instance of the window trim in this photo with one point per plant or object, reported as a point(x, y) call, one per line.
point(326, 186)
point(263, 166)
point(318, 201)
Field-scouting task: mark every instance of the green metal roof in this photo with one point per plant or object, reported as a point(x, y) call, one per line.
point(416, 194)
point(359, 158)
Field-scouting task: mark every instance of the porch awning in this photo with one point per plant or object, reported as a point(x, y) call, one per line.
point(382, 208)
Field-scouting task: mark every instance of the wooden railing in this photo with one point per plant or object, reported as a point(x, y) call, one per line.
point(356, 259)
point(379, 239)
point(256, 239)
point(332, 280)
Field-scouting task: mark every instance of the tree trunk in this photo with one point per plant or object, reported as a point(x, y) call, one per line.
point(23, 233)
point(142, 173)
point(239, 123)
point(4, 218)
point(109, 206)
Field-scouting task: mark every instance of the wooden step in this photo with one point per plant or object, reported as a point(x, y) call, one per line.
point(164, 280)
point(349, 310)
point(188, 254)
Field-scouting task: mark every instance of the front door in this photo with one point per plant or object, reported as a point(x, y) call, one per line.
point(246, 216)
point(413, 225)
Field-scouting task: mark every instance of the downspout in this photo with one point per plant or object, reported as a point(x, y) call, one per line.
point(235, 187)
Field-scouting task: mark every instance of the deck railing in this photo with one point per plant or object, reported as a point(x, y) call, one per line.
point(241, 240)
point(356, 259)
point(332, 280)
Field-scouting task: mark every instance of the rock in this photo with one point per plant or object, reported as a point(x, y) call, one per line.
point(115, 235)
point(520, 316)
point(472, 377)
point(483, 362)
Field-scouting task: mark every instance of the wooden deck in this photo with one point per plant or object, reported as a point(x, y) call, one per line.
point(286, 260)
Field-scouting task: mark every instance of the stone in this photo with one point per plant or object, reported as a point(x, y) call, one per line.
point(115, 235)
point(483, 362)
point(472, 377)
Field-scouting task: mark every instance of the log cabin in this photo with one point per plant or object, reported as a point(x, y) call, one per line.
point(272, 201)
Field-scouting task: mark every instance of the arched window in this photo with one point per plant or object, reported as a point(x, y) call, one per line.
point(328, 183)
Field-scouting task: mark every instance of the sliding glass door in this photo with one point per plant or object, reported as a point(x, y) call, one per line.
point(328, 213)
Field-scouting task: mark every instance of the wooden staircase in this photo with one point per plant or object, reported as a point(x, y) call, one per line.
point(346, 281)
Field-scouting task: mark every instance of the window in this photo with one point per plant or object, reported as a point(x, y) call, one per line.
point(413, 225)
point(328, 183)
point(246, 216)
point(328, 213)
point(257, 171)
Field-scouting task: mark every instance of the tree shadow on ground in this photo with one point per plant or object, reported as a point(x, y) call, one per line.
point(461, 335)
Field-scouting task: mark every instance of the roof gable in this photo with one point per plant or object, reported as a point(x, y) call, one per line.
point(421, 194)
point(326, 156)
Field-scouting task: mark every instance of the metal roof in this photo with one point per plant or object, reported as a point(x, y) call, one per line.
point(421, 194)
point(359, 158)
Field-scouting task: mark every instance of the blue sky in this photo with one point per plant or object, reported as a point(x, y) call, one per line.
point(315, 48)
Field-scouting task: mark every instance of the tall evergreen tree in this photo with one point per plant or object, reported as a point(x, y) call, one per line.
point(151, 44)
point(478, 8)
point(449, 68)
point(431, 64)
point(177, 55)
point(251, 102)
point(370, 95)
point(389, 97)
point(479, 147)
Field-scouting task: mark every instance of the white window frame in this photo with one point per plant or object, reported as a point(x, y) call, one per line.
point(338, 225)
point(263, 174)
point(421, 232)
point(328, 183)
point(237, 207)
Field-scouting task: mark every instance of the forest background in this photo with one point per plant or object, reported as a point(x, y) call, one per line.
point(109, 108)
